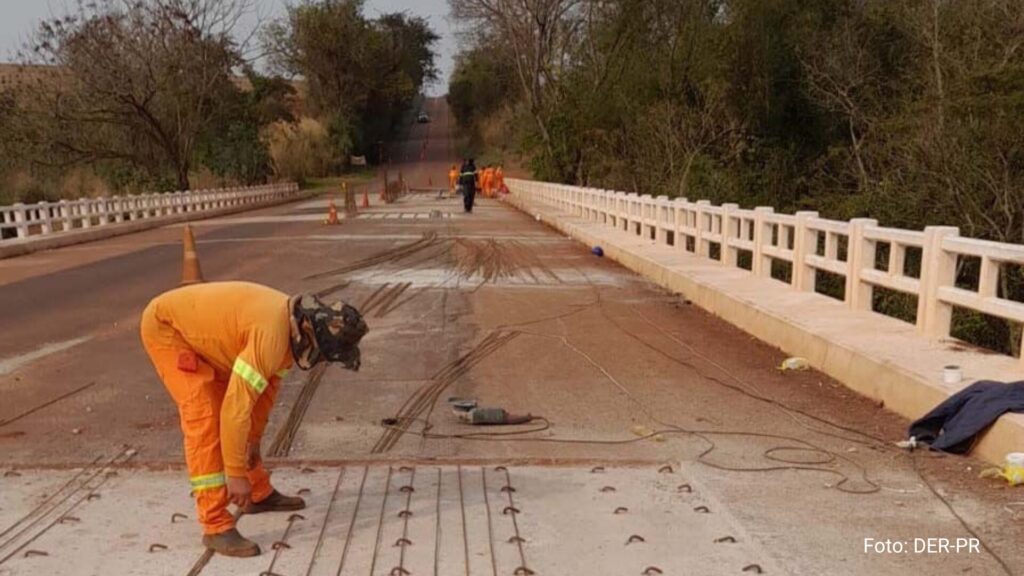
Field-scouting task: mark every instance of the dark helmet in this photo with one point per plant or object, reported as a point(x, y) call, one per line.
point(326, 333)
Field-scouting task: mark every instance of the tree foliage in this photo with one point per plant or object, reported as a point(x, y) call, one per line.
point(131, 82)
point(362, 74)
point(908, 111)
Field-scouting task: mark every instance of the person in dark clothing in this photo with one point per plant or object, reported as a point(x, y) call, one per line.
point(469, 182)
point(954, 425)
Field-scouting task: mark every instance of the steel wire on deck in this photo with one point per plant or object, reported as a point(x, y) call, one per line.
point(437, 527)
point(128, 453)
point(380, 258)
point(281, 544)
point(424, 399)
point(352, 522)
point(380, 520)
point(39, 507)
point(509, 489)
point(490, 527)
point(462, 509)
point(404, 541)
point(282, 444)
point(46, 404)
point(327, 518)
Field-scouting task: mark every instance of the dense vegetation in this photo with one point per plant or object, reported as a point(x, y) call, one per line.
point(908, 111)
point(165, 94)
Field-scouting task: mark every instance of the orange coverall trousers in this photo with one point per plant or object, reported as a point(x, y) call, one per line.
point(199, 396)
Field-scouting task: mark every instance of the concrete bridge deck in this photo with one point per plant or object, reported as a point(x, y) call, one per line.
point(794, 467)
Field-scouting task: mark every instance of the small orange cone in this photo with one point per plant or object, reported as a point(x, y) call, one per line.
point(366, 198)
point(332, 213)
point(191, 273)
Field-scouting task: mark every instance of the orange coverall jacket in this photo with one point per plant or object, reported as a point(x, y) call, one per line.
point(453, 178)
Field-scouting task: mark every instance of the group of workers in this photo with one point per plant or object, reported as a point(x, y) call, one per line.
point(490, 181)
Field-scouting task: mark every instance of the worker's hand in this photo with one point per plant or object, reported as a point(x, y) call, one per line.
point(252, 455)
point(239, 490)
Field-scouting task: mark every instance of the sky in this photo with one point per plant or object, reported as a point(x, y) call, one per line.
point(18, 17)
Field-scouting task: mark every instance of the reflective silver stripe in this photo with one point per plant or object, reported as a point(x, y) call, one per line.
point(207, 481)
point(250, 375)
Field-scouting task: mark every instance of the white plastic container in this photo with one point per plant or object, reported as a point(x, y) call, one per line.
point(952, 374)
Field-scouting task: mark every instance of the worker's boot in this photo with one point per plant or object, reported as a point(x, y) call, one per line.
point(276, 502)
point(231, 543)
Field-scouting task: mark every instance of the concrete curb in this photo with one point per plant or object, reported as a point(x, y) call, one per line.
point(15, 248)
point(877, 357)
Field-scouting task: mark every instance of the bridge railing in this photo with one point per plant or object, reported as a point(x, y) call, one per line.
point(922, 264)
point(45, 218)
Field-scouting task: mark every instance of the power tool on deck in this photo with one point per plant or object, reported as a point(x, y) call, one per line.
point(467, 410)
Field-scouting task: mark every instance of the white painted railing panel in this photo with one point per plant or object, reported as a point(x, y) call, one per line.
point(796, 239)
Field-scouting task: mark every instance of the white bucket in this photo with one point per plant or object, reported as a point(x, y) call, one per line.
point(952, 374)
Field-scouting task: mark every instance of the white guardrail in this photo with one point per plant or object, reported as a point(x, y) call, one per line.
point(45, 218)
point(809, 244)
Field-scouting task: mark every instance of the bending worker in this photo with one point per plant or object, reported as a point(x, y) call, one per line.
point(221, 349)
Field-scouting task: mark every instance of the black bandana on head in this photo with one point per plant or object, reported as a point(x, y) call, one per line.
point(327, 333)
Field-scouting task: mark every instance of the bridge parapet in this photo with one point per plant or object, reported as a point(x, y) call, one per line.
point(22, 221)
point(922, 264)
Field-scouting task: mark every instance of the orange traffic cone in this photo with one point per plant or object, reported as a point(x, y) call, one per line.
point(190, 271)
point(366, 198)
point(332, 213)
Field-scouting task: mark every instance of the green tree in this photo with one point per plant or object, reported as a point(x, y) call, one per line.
point(362, 74)
point(132, 82)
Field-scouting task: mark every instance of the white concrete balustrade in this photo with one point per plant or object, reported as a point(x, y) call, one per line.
point(807, 245)
point(22, 221)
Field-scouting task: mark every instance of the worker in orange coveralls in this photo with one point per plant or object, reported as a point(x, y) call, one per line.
point(487, 181)
point(221, 349)
point(499, 180)
point(453, 180)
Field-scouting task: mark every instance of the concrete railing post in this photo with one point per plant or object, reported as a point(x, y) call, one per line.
point(804, 242)
point(85, 209)
point(702, 247)
point(45, 223)
point(65, 215)
point(664, 221)
point(730, 230)
point(102, 211)
point(860, 255)
point(676, 208)
point(938, 269)
point(20, 220)
point(760, 264)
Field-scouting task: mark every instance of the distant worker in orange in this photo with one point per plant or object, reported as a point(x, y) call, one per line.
point(487, 181)
point(453, 180)
point(499, 180)
point(221, 349)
